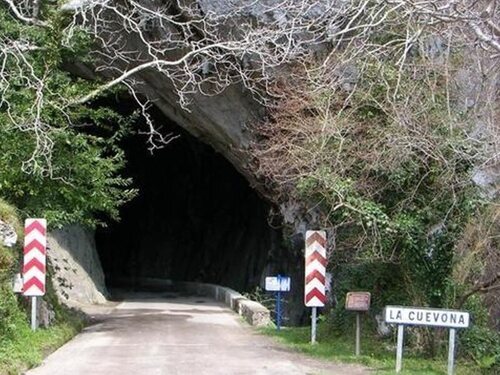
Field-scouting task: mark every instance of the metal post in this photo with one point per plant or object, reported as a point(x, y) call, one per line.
point(278, 305)
point(358, 333)
point(33, 313)
point(313, 325)
point(278, 311)
point(451, 351)
point(399, 350)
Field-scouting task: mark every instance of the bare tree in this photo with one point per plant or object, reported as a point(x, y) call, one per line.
point(204, 47)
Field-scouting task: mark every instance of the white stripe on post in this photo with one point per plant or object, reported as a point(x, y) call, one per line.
point(34, 265)
point(315, 262)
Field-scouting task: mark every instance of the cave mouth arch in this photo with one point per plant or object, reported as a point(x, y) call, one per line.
point(195, 219)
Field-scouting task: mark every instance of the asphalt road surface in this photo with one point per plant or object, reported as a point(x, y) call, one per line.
point(173, 334)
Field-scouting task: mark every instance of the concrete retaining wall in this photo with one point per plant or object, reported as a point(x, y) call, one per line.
point(253, 312)
point(77, 273)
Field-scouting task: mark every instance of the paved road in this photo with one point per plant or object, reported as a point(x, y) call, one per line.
point(171, 334)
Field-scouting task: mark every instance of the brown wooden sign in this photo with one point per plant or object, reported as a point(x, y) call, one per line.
point(357, 301)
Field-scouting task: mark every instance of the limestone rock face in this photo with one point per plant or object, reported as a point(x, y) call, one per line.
point(488, 179)
point(8, 236)
point(222, 121)
point(45, 313)
point(78, 278)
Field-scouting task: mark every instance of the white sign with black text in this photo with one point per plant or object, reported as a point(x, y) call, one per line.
point(426, 317)
point(420, 316)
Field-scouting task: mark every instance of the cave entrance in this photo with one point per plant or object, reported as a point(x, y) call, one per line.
point(195, 219)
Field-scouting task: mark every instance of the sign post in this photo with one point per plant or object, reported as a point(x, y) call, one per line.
point(34, 323)
point(358, 334)
point(399, 348)
point(278, 307)
point(358, 302)
point(315, 277)
point(278, 284)
point(419, 316)
point(35, 248)
point(451, 351)
point(313, 324)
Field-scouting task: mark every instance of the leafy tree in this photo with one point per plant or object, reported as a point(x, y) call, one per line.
point(53, 161)
point(382, 151)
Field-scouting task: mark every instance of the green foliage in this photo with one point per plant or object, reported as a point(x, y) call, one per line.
point(57, 160)
point(20, 347)
point(29, 348)
point(85, 180)
point(377, 354)
point(387, 165)
point(11, 317)
point(479, 342)
point(483, 345)
point(381, 279)
point(8, 215)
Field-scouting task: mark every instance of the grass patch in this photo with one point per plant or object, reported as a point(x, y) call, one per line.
point(20, 347)
point(379, 355)
point(9, 214)
point(29, 348)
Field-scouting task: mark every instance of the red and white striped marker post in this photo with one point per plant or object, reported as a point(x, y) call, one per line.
point(34, 268)
point(316, 261)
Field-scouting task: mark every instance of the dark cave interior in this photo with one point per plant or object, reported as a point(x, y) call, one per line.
point(195, 219)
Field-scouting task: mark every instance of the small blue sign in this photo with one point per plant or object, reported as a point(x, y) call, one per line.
point(278, 283)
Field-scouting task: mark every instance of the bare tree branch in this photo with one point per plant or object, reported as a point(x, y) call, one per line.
point(205, 47)
point(483, 287)
point(33, 19)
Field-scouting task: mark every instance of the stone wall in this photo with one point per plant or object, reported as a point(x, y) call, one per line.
point(77, 273)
